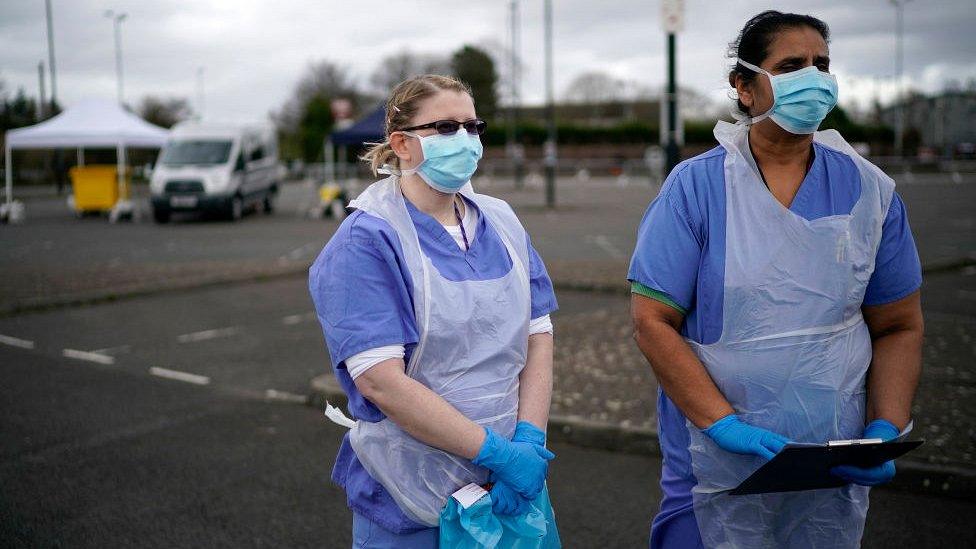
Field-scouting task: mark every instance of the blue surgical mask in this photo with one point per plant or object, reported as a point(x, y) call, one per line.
point(801, 99)
point(449, 160)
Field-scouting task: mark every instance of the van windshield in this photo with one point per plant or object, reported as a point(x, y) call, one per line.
point(195, 152)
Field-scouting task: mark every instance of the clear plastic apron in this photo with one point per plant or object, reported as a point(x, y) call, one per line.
point(472, 348)
point(794, 350)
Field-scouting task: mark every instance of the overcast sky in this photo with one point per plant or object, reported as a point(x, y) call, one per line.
point(254, 51)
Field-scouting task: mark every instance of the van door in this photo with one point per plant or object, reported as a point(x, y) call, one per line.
point(240, 173)
point(257, 170)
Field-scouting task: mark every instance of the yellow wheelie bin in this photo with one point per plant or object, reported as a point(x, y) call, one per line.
point(96, 187)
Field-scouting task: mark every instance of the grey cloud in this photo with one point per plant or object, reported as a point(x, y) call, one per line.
point(254, 52)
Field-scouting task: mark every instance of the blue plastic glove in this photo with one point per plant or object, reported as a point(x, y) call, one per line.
point(522, 466)
point(505, 500)
point(732, 435)
point(871, 476)
point(527, 432)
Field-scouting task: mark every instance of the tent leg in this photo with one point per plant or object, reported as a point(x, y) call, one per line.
point(81, 156)
point(330, 167)
point(8, 174)
point(122, 206)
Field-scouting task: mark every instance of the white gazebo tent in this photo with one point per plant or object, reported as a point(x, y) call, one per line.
point(90, 123)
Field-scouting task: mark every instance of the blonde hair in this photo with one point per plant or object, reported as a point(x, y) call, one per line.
point(401, 107)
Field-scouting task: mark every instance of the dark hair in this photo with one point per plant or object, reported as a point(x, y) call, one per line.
point(752, 44)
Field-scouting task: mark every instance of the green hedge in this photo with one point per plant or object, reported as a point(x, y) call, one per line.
point(697, 132)
point(574, 134)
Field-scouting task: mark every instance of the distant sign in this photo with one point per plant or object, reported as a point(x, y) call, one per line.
point(673, 15)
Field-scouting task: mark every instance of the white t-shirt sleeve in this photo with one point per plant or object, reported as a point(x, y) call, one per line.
point(540, 325)
point(358, 363)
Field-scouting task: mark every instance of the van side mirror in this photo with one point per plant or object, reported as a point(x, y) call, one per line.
point(257, 154)
point(239, 165)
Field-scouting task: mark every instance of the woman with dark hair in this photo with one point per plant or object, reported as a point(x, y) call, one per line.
point(776, 296)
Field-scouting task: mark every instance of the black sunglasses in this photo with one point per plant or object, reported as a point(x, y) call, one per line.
point(447, 127)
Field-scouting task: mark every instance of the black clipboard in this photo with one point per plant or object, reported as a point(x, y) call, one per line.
point(807, 466)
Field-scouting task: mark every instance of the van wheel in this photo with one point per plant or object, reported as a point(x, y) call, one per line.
point(235, 208)
point(268, 204)
point(160, 215)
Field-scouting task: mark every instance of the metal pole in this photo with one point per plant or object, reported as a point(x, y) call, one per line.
point(8, 172)
point(899, 62)
point(50, 54)
point(40, 99)
point(550, 148)
point(118, 58)
point(200, 98)
point(117, 19)
point(120, 169)
point(330, 162)
point(671, 149)
point(513, 111)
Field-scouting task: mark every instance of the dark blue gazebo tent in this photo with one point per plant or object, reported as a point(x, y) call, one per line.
point(369, 129)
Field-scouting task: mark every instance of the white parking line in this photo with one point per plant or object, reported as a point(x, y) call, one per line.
point(604, 244)
point(297, 253)
point(285, 396)
point(179, 376)
point(291, 320)
point(113, 350)
point(88, 356)
point(207, 334)
point(16, 342)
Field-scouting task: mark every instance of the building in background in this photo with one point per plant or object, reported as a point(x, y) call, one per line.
point(938, 125)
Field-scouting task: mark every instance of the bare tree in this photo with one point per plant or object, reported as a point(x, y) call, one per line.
point(322, 80)
point(595, 87)
point(398, 67)
point(697, 106)
point(164, 111)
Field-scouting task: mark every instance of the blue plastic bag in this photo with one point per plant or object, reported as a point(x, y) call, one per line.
point(478, 526)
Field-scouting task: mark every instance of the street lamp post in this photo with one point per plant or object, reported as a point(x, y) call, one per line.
point(899, 62)
point(514, 148)
point(117, 19)
point(200, 96)
point(672, 21)
point(50, 55)
point(550, 146)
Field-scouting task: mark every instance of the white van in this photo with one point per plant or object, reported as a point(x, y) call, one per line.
point(217, 169)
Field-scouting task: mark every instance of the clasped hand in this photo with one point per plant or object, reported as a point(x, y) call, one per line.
point(518, 467)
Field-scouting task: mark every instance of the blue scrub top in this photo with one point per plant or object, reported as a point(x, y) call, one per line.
point(363, 295)
point(680, 258)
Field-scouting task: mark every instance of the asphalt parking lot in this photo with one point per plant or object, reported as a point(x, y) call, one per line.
point(156, 375)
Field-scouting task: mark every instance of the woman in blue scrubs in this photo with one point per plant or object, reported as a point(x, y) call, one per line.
point(776, 296)
point(435, 309)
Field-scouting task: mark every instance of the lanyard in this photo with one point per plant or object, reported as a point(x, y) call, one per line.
point(464, 235)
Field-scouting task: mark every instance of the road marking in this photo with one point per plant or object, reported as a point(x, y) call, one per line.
point(113, 350)
point(297, 253)
point(207, 334)
point(179, 376)
point(272, 394)
point(16, 342)
point(89, 356)
point(291, 320)
point(604, 244)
